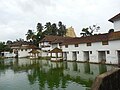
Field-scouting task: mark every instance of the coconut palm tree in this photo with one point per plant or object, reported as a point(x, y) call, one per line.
point(48, 29)
point(30, 35)
point(54, 29)
point(89, 31)
point(62, 29)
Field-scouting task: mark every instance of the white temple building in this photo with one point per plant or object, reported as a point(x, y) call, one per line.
point(98, 48)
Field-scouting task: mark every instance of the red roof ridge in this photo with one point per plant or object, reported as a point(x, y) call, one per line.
point(94, 38)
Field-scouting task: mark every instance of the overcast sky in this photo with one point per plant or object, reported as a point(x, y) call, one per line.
point(17, 16)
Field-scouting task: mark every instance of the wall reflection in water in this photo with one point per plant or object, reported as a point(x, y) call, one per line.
point(51, 75)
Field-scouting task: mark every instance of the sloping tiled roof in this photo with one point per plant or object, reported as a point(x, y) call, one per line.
point(93, 38)
point(24, 47)
point(54, 39)
point(32, 47)
point(50, 38)
point(20, 43)
point(114, 18)
point(56, 50)
point(34, 51)
point(114, 35)
point(80, 40)
point(61, 40)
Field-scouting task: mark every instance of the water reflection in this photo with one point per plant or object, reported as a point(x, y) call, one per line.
point(75, 67)
point(102, 68)
point(54, 75)
point(87, 68)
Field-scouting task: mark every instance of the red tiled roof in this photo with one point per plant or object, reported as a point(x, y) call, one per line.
point(114, 35)
point(93, 38)
point(80, 40)
point(20, 43)
point(56, 50)
point(114, 18)
point(50, 38)
point(25, 47)
point(54, 39)
point(32, 47)
point(61, 40)
point(34, 51)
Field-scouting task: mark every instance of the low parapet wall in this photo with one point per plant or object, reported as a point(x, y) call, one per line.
point(108, 81)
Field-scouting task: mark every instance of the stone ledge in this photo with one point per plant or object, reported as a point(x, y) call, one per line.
point(108, 81)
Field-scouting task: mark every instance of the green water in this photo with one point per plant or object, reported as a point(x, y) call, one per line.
point(26, 74)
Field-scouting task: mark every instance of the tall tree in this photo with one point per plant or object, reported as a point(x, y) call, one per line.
point(9, 42)
point(61, 29)
point(89, 30)
point(39, 27)
point(94, 28)
point(85, 32)
point(48, 29)
point(30, 35)
point(39, 35)
point(4, 47)
point(54, 29)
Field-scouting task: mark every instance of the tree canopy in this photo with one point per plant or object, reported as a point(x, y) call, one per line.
point(4, 47)
point(89, 30)
point(48, 29)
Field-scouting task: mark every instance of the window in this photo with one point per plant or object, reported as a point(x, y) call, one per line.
point(66, 46)
point(66, 52)
point(90, 52)
point(60, 45)
point(88, 44)
point(76, 45)
point(108, 52)
point(104, 42)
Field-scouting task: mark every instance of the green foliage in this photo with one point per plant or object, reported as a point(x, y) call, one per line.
point(30, 35)
point(47, 29)
point(39, 27)
point(4, 47)
point(54, 29)
point(8, 42)
point(85, 32)
point(62, 29)
point(89, 30)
